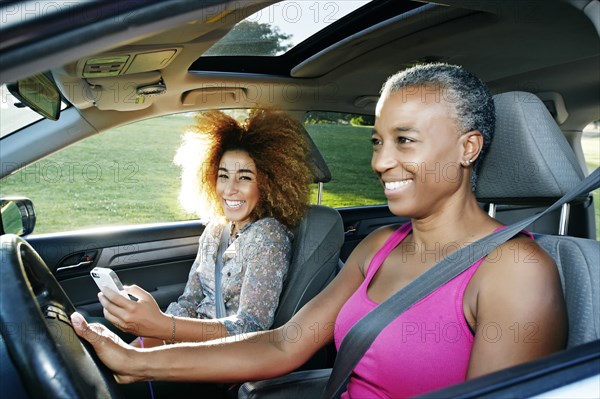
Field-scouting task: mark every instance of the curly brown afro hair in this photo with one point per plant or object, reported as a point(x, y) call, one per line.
point(278, 146)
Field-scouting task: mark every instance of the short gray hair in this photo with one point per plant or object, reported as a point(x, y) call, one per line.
point(469, 97)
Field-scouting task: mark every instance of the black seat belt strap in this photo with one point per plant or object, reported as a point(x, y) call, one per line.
point(363, 333)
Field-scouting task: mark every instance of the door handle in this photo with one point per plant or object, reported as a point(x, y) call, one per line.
point(86, 259)
point(349, 231)
point(80, 264)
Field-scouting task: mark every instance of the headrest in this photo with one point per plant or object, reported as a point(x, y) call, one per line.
point(529, 158)
point(317, 163)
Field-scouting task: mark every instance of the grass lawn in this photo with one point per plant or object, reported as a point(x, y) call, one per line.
point(353, 182)
point(82, 187)
point(107, 179)
point(591, 148)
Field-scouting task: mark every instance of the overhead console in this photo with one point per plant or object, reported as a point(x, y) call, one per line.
point(125, 80)
point(125, 63)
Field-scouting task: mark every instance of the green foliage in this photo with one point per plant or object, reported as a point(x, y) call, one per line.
point(331, 118)
point(251, 38)
point(590, 143)
point(338, 118)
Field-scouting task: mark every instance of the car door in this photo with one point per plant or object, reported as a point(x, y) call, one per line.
point(112, 201)
point(157, 258)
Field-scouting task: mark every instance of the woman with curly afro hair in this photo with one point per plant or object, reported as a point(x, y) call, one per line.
point(251, 181)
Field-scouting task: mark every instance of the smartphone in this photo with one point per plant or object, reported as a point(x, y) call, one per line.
point(105, 277)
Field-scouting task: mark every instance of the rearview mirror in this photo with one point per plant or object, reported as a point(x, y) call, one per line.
point(38, 92)
point(17, 215)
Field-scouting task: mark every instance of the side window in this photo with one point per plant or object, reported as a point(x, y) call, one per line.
point(122, 176)
point(590, 143)
point(344, 142)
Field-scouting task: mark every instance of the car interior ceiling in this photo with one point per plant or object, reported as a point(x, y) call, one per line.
point(480, 39)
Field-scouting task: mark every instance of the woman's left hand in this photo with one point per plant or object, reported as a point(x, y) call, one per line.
point(142, 317)
point(112, 351)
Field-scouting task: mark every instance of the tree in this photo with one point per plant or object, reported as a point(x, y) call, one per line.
point(251, 38)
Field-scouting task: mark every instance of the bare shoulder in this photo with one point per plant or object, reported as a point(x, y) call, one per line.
point(519, 272)
point(519, 297)
point(380, 235)
point(368, 247)
point(520, 258)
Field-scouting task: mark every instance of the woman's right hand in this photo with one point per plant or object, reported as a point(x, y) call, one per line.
point(142, 317)
point(112, 351)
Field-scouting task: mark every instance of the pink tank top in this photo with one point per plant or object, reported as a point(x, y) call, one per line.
point(426, 348)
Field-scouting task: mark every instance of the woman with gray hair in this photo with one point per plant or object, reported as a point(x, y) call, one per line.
point(433, 126)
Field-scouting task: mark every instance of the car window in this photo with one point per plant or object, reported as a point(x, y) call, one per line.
point(277, 28)
point(122, 176)
point(590, 143)
point(353, 182)
point(13, 117)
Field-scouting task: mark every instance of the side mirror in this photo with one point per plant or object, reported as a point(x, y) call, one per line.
point(17, 215)
point(38, 92)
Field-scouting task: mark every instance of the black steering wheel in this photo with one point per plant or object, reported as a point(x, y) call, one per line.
point(50, 358)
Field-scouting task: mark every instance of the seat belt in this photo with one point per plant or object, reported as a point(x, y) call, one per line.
point(219, 302)
point(365, 331)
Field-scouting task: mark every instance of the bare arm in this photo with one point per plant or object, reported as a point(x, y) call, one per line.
point(520, 311)
point(238, 358)
point(264, 257)
point(144, 318)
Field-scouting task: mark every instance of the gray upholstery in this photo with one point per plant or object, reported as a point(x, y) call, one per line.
point(316, 250)
point(530, 160)
point(578, 263)
point(319, 167)
point(314, 263)
point(529, 157)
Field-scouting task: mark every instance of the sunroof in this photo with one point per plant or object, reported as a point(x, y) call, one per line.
point(278, 28)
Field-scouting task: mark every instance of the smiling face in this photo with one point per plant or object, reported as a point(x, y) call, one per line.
point(417, 151)
point(237, 187)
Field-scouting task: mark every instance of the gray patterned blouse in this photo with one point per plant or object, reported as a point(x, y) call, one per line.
point(254, 267)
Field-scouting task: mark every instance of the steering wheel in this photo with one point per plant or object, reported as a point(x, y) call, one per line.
point(35, 314)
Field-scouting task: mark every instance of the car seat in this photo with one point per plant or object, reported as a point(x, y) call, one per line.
point(315, 249)
point(531, 162)
point(531, 166)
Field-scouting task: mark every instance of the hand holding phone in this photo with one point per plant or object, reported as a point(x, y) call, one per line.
point(105, 277)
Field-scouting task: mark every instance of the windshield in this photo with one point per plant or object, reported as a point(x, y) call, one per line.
point(278, 28)
point(12, 117)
